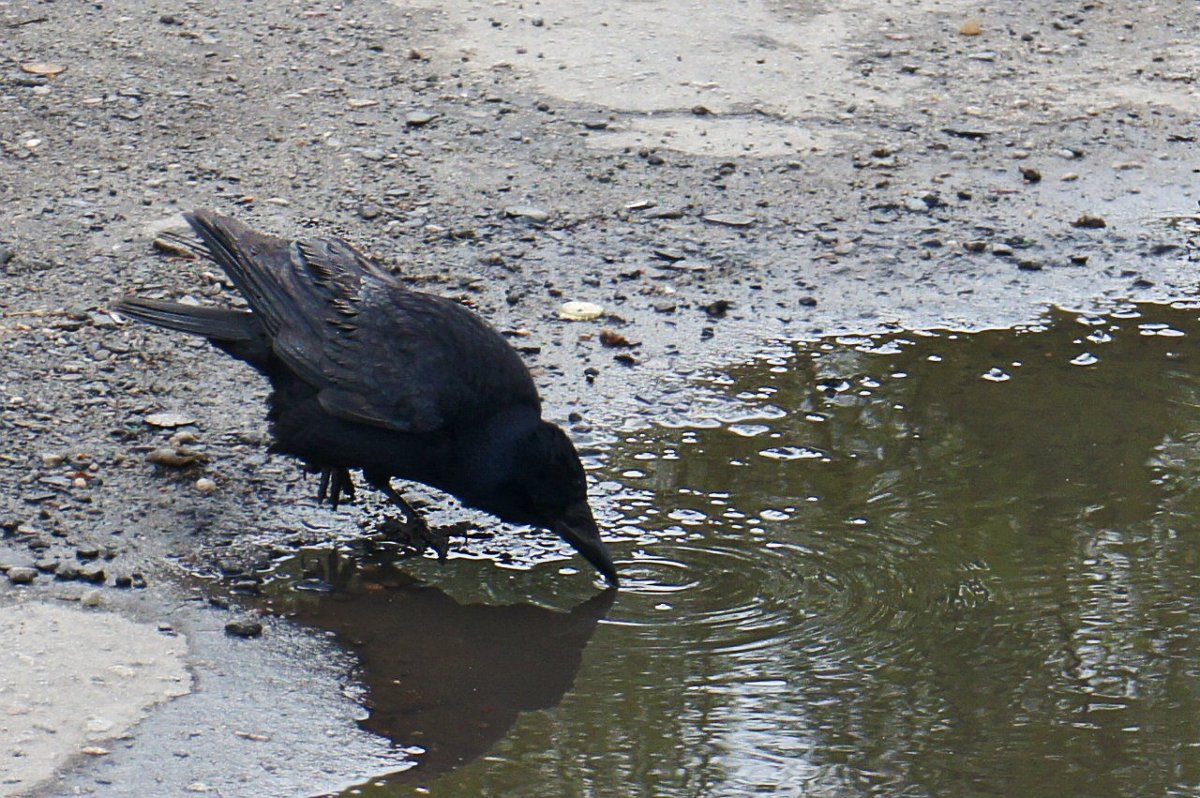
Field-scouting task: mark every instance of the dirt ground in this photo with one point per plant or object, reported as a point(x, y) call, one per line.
point(767, 170)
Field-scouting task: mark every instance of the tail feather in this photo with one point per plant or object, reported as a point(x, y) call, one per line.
point(219, 324)
point(237, 332)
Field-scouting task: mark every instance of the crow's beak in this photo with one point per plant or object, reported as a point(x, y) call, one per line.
point(578, 527)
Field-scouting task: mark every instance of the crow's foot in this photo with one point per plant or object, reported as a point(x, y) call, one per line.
point(335, 483)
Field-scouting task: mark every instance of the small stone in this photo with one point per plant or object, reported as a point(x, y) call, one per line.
point(640, 205)
point(614, 340)
point(971, 27)
point(372, 154)
point(172, 457)
point(369, 211)
point(580, 311)
point(21, 575)
point(94, 750)
point(52, 460)
point(244, 628)
point(596, 124)
point(206, 485)
point(6, 254)
point(419, 118)
point(527, 212)
point(975, 246)
point(1079, 260)
point(1031, 175)
point(1002, 250)
point(1029, 265)
point(92, 598)
point(357, 103)
point(66, 572)
point(169, 420)
point(43, 69)
point(668, 253)
point(92, 573)
point(729, 219)
point(537, 22)
point(1089, 222)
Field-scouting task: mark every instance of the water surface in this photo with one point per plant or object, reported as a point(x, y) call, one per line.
point(917, 564)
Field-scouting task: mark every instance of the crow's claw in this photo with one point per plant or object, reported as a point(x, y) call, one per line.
point(335, 483)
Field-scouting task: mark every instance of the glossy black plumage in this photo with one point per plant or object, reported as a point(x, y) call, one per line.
point(369, 375)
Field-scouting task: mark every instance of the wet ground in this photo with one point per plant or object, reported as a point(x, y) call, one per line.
point(944, 575)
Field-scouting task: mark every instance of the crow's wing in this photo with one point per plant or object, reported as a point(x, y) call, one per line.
point(378, 353)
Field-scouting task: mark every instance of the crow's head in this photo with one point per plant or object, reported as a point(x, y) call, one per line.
point(543, 485)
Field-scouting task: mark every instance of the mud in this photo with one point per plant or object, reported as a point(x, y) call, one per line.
point(806, 170)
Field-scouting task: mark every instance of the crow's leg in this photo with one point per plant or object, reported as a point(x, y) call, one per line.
point(335, 482)
point(439, 542)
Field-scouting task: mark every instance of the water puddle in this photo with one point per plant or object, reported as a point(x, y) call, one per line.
point(907, 564)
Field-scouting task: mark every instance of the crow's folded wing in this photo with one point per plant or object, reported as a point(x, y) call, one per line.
point(377, 353)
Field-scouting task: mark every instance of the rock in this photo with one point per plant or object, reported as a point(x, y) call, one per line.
point(206, 485)
point(718, 309)
point(244, 628)
point(172, 458)
point(66, 572)
point(527, 212)
point(169, 420)
point(580, 311)
point(1031, 175)
point(1002, 250)
point(357, 103)
point(419, 118)
point(92, 598)
point(369, 211)
point(43, 69)
point(6, 254)
point(729, 219)
point(971, 27)
point(614, 340)
point(1089, 222)
point(667, 253)
point(1029, 265)
point(975, 246)
point(21, 575)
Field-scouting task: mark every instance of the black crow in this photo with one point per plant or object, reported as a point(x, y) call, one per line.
point(367, 374)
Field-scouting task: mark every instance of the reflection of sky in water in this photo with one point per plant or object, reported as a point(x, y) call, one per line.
point(918, 563)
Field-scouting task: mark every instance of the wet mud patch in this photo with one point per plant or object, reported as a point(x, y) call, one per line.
point(440, 678)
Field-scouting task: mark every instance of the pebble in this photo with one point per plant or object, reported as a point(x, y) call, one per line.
point(1089, 222)
point(729, 219)
point(244, 628)
point(580, 311)
point(1031, 175)
point(206, 485)
point(1002, 250)
point(526, 212)
point(21, 575)
point(6, 254)
point(92, 598)
point(172, 458)
point(169, 420)
point(668, 253)
point(419, 118)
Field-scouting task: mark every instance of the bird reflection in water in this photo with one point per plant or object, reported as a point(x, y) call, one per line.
point(447, 678)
